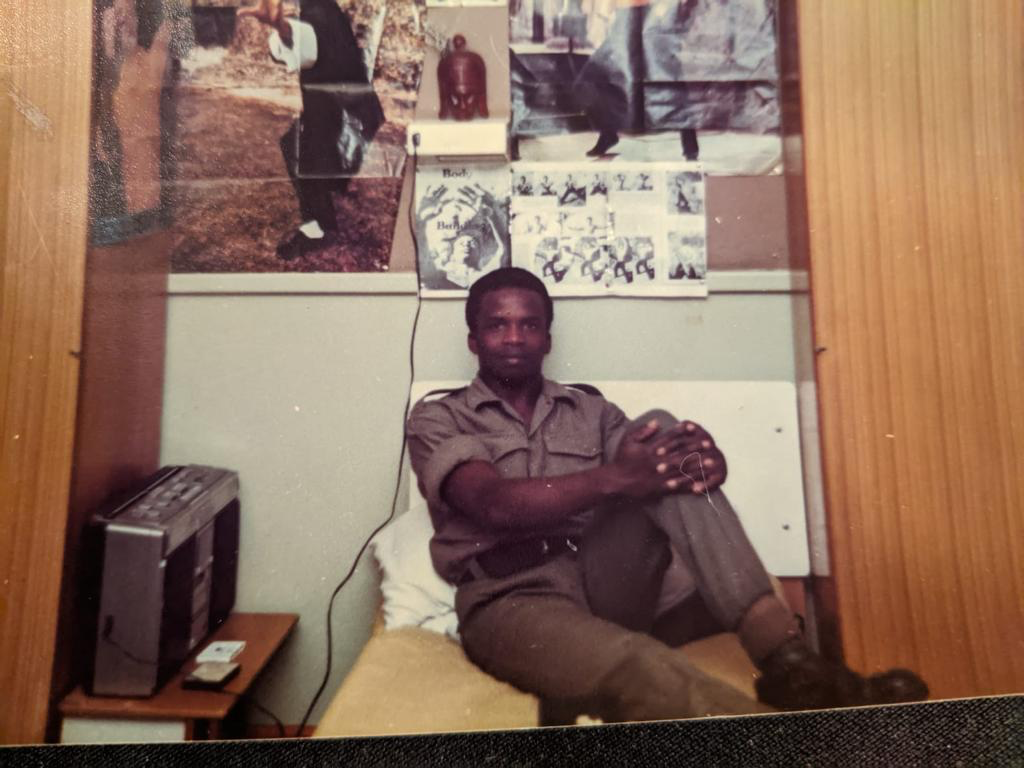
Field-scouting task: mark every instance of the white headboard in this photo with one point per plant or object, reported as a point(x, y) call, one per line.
point(755, 424)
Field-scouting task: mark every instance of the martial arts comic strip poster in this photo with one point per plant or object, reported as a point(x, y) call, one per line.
point(621, 229)
point(461, 222)
point(289, 158)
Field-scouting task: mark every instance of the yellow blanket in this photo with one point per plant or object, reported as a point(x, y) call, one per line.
point(412, 680)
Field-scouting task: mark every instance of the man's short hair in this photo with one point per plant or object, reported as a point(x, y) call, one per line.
point(506, 277)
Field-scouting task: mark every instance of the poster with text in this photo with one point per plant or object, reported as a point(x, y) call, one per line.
point(461, 222)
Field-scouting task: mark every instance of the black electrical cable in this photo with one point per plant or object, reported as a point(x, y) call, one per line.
point(255, 704)
point(401, 457)
point(125, 652)
point(280, 726)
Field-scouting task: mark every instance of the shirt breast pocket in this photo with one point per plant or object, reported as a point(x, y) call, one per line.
point(509, 454)
point(571, 454)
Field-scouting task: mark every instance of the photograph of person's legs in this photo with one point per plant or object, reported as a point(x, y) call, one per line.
point(650, 81)
point(315, 196)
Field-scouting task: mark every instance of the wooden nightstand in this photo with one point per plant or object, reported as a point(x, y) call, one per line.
point(175, 713)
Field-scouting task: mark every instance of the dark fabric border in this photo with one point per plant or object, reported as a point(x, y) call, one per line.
point(963, 732)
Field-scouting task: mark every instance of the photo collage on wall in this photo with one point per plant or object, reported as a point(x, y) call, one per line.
point(631, 229)
point(259, 156)
point(619, 115)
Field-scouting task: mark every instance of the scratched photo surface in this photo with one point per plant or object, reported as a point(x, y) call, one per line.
point(217, 171)
point(307, 400)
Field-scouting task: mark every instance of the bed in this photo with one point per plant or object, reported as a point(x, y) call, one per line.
point(413, 677)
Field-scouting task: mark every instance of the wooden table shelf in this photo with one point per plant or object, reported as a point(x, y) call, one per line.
point(173, 710)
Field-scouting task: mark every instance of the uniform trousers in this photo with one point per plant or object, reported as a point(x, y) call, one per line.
point(583, 630)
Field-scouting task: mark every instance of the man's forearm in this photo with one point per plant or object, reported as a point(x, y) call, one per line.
point(645, 467)
point(540, 502)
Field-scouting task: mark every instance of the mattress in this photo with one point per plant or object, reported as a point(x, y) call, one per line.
point(412, 680)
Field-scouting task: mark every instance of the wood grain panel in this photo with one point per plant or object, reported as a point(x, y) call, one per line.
point(914, 154)
point(44, 92)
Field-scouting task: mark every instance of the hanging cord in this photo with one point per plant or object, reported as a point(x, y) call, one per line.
point(401, 457)
point(247, 697)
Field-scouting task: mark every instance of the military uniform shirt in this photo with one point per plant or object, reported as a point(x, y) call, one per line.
point(571, 431)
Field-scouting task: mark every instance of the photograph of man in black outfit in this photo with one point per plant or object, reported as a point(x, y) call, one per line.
point(341, 113)
point(557, 519)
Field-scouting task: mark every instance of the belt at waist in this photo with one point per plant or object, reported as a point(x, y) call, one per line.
point(509, 559)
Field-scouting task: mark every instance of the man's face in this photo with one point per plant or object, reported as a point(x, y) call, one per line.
point(511, 336)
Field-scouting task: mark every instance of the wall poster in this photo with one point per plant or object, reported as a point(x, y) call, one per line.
point(639, 79)
point(291, 133)
point(461, 215)
point(626, 229)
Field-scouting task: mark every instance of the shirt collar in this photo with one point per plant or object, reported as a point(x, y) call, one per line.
point(480, 394)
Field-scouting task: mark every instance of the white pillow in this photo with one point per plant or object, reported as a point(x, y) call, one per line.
point(414, 595)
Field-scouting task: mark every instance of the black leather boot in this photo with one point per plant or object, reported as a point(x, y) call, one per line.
point(794, 677)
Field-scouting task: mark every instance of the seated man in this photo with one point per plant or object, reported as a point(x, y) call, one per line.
point(583, 547)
